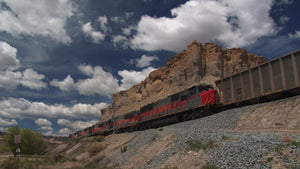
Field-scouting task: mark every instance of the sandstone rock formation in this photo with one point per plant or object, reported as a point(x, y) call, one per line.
point(198, 64)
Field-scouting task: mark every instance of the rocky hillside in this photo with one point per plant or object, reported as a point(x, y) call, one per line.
point(198, 64)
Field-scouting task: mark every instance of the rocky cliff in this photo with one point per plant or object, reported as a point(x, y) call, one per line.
point(198, 64)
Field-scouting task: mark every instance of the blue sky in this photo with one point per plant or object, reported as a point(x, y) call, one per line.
point(62, 60)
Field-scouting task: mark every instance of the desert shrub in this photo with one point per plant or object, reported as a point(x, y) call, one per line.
point(31, 142)
point(287, 139)
point(226, 138)
point(153, 138)
point(294, 143)
point(10, 163)
point(210, 166)
point(269, 159)
point(99, 138)
point(123, 149)
point(197, 145)
point(168, 167)
point(59, 157)
point(95, 149)
point(4, 148)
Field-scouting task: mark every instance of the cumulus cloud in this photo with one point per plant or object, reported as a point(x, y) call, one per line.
point(37, 17)
point(103, 23)
point(145, 61)
point(128, 31)
point(75, 125)
point(7, 122)
point(66, 85)
point(120, 41)
point(284, 19)
point(117, 19)
point(296, 35)
point(64, 131)
point(100, 82)
point(29, 78)
point(23, 108)
point(285, 2)
point(44, 124)
point(89, 31)
point(10, 78)
point(130, 78)
point(33, 80)
point(122, 19)
point(233, 23)
point(8, 57)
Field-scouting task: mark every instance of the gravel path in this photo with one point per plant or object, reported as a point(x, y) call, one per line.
point(232, 149)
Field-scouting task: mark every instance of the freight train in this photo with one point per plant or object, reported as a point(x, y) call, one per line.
point(279, 77)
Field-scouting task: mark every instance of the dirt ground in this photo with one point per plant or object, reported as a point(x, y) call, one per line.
point(280, 116)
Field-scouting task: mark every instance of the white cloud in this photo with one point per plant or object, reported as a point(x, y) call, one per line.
point(29, 78)
point(45, 124)
point(117, 19)
point(66, 85)
point(100, 82)
point(7, 122)
point(10, 78)
point(285, 2)
point(65, 131)
point(3, 129)
point(127, 31)
point(23, 108)
point(284, 19)
point(91, 32)
point(8, 57)
point(37, 17)
point(128, 15)
point(121, 41)
point(33, 80)
point(87, 70)
point(233, 23)
point(145, 60)
point(103, 23)
point(296, 35)
point(122, 19)
point(130, 78)
point(75, 125)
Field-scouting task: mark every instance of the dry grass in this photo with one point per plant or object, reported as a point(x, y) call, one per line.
point(287, 139)
point(95, 148)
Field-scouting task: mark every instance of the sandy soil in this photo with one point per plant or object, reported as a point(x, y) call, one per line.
point(279, 116)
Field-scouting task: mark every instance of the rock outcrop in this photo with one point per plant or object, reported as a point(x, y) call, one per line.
point(198, 64)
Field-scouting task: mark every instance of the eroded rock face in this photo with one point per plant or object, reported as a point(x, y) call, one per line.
point(198, 64)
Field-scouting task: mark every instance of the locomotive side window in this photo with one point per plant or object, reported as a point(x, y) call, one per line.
point(174, 97)
point(129, 115)
point(147, 108)
point(192, 91)
point(204, 87)
point(184, 97)
point(201, 88)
